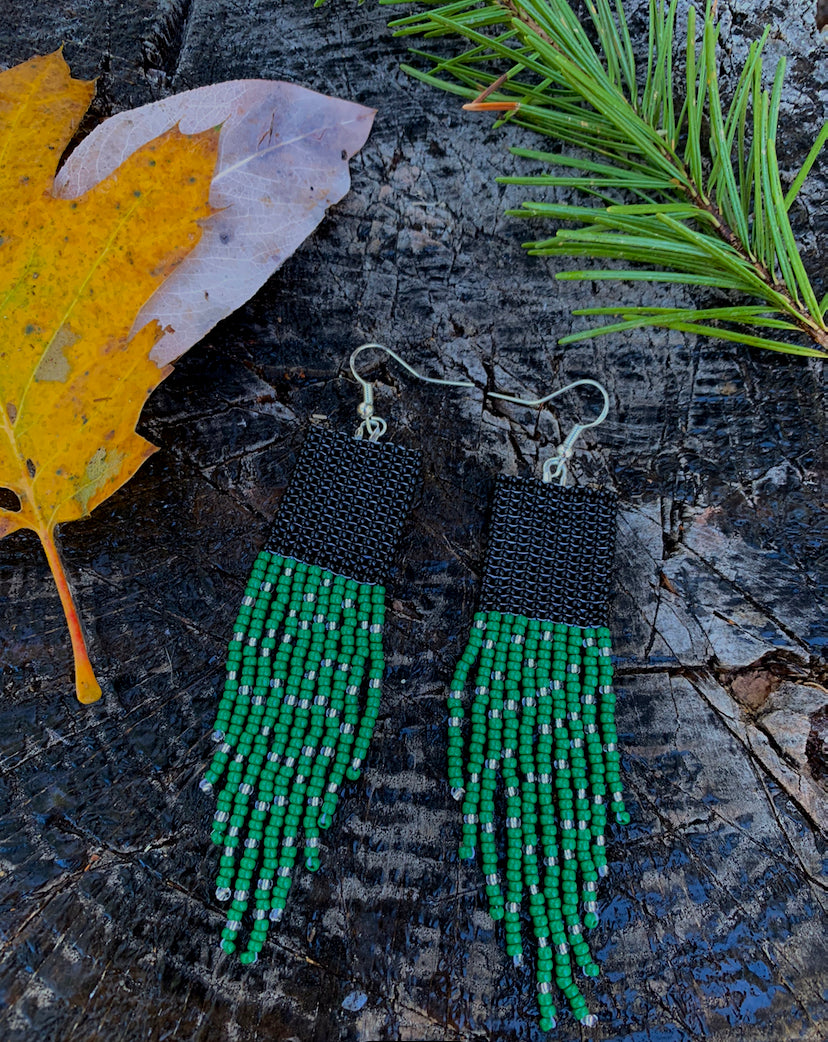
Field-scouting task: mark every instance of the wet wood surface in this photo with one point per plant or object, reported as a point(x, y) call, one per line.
point(713, 916)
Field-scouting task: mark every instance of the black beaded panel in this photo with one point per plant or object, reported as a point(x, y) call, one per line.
point(550, 552)
point(345, 504)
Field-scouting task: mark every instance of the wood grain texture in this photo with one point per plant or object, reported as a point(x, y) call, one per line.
point(713, 915)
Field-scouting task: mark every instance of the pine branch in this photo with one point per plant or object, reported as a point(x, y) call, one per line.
point(689, 188)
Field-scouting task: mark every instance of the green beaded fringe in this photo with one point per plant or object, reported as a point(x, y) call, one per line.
point(295, 720)
point(543, 717)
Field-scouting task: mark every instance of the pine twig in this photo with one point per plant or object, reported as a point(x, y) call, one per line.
point(685, 186)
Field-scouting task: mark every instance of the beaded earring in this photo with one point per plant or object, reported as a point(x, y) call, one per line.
point(305, 663)
point(542, 717)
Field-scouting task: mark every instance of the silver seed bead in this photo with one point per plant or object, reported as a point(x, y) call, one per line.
point(223, 893)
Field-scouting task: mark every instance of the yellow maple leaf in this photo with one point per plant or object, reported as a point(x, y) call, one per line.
point(73, 276)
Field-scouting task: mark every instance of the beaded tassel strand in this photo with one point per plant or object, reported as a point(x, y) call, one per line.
point(543, 718)
point(295, 720)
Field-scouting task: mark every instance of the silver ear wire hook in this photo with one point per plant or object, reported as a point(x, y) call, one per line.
point(565, 450)
point(373, 427)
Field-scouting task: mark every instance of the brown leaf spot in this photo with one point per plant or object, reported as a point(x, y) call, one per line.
point(11, 411)
point(54, 365)
point(99, 470)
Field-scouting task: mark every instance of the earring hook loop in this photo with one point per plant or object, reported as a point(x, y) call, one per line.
point(373, 427)
point(556, 467)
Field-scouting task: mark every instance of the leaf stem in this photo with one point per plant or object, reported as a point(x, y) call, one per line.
point(87, 687)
